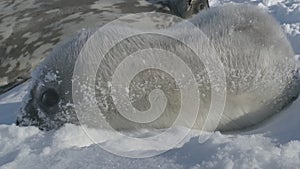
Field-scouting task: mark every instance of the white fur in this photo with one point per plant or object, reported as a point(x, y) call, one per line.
point(257, 57)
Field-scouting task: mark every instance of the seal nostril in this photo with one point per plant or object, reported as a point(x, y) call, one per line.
point(50, 97)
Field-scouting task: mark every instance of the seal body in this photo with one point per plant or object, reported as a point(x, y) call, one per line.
point(258, 61)
point(257, 58)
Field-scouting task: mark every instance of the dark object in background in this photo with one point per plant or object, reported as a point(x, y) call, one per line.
point(198, 5)
point(183, 8)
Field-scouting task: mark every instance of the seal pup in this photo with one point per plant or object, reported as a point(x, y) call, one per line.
point(257, 57)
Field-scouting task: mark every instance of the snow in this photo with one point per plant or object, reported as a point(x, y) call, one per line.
point(10, 103)
point(273, 145)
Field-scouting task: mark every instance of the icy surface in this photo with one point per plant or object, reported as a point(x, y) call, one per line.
point(274, 145)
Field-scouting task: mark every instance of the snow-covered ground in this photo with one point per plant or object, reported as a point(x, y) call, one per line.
point(273, 145)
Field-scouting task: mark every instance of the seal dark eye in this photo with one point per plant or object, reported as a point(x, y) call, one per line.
point(50, 97)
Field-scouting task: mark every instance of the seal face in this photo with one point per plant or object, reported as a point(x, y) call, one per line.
point(48, 103)
point(258, 60)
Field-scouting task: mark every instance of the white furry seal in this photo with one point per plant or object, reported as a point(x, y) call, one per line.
point(257, 57)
